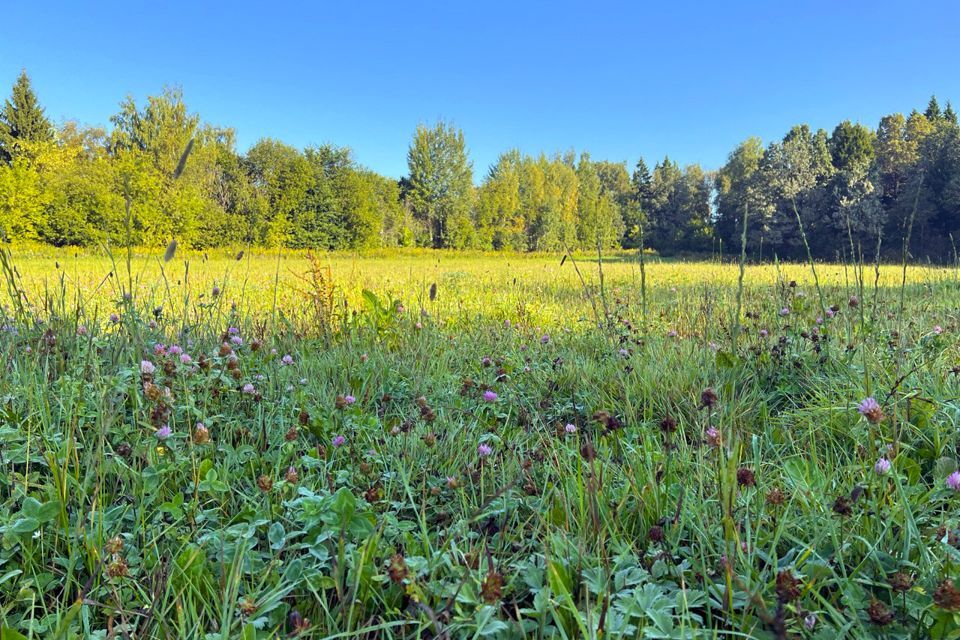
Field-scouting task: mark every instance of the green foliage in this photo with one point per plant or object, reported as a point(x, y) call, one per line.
point(440, 186)
point(290, 480)
point(856, 190)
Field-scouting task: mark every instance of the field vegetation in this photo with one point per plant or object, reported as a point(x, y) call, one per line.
point(460, 445)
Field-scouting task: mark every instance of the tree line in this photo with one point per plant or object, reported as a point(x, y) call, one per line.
point(855, 190)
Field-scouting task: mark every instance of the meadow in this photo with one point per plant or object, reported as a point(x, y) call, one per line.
point(433, 444)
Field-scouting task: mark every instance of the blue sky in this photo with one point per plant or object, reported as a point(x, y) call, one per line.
point(620, 80)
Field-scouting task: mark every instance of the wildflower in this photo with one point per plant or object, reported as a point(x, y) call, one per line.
point(937, 329)
point(570, 428)
point(185, 358)
point(237, 340)
point(624, 353)
point(853, 302)
point(901, 582)
point(775, 497)
point(489, 396)
point(233, 331)
point(819, 320)
point(708, 398)
point(882, 466)
point(164, 432)
point(147, 368)
point(870, 409)
point(946, 596)
point(788, 586)
point(668, 425)
point(114, 545)
point(879, 614)
point(746, 477)
point(175, 350)
point(201, 435)
point(265, 483)
point(506, 324)
point(452, 482)
point(810, 621)
point(249, 389)
point(492, 588)
point(287, 360)
point(842, 506)
point(484, 450)
point(348, 399)
point(713, 436)
point(544, 339)
point(397, 569)
point(784, 312)
point(292, 475)
point(118, 568)
point(830, 312)
point(486, 361)
point(655, 534)
point(764, 333)
point(298, 623)
point(672, 334)
point(81, 330)
point(419, 325)
point(114, 318)
point(953, 481)
point(215, 292)
point(338, 441)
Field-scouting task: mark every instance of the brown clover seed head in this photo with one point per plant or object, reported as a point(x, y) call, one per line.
point(203, 362)
point(225, 350)
point(492, 588)
point(745, 477)
point(853, 302)
point(879, 614)
point(788, 586)
point(248, 606)
point(775, 497)
point(303, 417)
point(946, 596)
point(114, 545)
point(842, 506)
point(291, 434)
point(435, 491)
point(366, 468)
point(152, 391)
point(588, 452)
point(397, 569)
point(901, 582)
point(655, 534)
point(265, 483)
point(236, 374)
point(340, 402)
point(422, 402)
point(256, 345)
point(668, 425)
point(430, 439)
point(124, 450)
point(201, 435)
point(708, 398)
point(292, 476)
point(118, 568)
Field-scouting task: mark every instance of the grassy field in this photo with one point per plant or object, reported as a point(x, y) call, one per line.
point(432, 444)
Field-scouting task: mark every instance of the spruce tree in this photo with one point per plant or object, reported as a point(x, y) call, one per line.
point(933, 109)
point(22, 120)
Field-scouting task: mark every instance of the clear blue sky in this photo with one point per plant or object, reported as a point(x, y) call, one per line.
point(620, 80)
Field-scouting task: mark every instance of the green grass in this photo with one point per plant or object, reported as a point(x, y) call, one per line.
point(625, 526)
